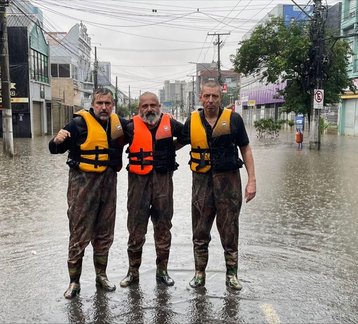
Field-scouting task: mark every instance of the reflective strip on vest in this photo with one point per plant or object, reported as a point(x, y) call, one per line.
point(96, 141)
point(200, 154)
point(141, 149)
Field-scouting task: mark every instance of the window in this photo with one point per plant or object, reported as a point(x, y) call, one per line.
point(60, 70)
point(64, 70)
point(54, 70)
point(39, 67)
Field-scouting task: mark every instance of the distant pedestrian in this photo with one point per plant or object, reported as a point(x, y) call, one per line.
point(214, 135)
point(95, 141)
point(299, 138)
point(151, 154)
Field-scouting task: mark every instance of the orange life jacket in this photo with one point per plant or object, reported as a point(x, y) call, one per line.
point(142, 159)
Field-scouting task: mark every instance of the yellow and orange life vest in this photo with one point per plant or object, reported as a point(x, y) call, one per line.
point(94, 152)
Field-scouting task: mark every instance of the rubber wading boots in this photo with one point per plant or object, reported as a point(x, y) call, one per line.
point(198, 280)
point(100, 264)
point(72, 291)
point(74, 270)
point(162, 276)
point(231, 277)
point(232, 282)
point(131, 278)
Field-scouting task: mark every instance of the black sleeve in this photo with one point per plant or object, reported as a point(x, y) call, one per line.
point(184, 138)
point(124, 123)
point(128, 128)
point(239, 130)
point(69, 141)
point(176, 128)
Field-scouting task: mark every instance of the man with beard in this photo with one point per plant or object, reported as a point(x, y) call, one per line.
point(151, 154)
point(95, 142)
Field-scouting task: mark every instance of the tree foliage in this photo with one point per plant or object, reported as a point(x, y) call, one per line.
point(277, 52)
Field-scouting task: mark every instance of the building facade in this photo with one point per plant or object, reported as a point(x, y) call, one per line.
point(29, 72)
point(71, 73)
point(348, 110)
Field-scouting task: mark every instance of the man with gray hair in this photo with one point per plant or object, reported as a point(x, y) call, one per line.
point(151, 154)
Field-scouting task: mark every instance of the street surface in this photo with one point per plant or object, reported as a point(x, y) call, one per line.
point(298, 255)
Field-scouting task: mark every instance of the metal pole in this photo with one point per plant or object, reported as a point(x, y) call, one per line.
point(95, 71)
point(192, 101)
point(8, 140)
point(116, 97)
point(218, 43)
point(129, 101)
point(317, 43)
point(193, 97)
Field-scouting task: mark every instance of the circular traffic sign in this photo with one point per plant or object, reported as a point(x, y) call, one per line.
point(318, 96)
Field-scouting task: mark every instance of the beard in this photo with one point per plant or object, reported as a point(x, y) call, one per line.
point(151, 118)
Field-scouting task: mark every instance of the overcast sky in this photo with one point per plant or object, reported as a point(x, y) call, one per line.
point(148, 42)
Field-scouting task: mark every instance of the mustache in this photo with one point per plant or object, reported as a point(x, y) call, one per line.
point(150, 116)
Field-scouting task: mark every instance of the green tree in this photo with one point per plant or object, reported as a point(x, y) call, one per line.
point(276, 52)
point(126, 110)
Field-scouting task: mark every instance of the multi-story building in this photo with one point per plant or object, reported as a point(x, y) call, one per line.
point(29, 71)
point(174, 97)
point(71, 72)
point(348, 112)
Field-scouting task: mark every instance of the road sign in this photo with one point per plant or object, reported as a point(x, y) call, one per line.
point(300, 121)
point(318, 99)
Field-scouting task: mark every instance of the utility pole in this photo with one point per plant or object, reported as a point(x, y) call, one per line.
point(317, 34)
point(181, 100)
point(129, 101)
point(95, 71)
point(8, 139)
point(218, 43)
point(192, 99)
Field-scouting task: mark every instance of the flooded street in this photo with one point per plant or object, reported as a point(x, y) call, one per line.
point(298, 255)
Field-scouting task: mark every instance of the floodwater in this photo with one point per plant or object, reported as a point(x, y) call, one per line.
point(298, 244)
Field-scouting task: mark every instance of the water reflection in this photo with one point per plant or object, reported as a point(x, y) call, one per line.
point(101, 312)
point(200, 308)
point(230, 309)
point(75, 312)
point(163, 311)
point(134, 312)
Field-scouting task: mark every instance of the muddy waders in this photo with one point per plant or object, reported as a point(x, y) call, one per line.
point(135, 260)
